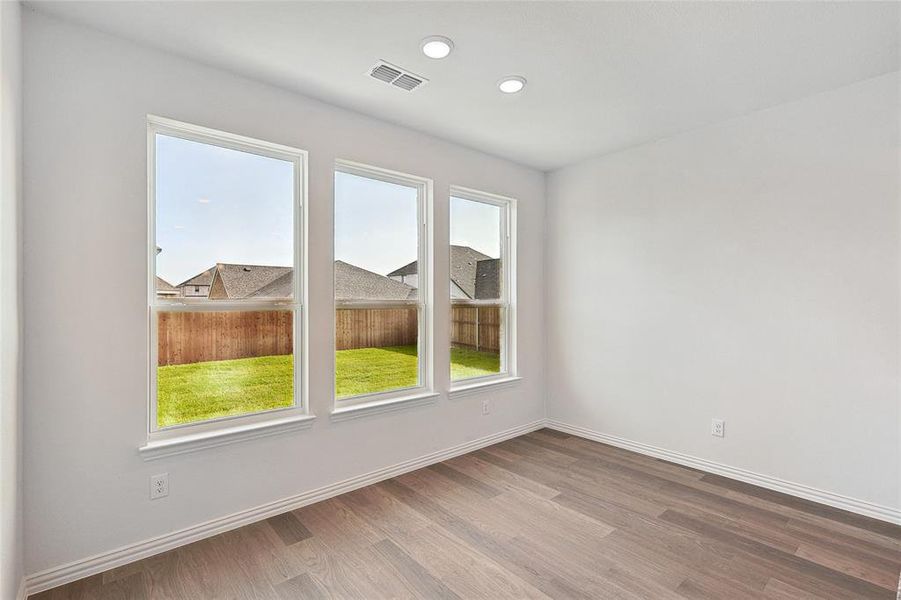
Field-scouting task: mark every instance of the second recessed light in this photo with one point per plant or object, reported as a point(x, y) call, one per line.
point(511, 84)
point(437, 46)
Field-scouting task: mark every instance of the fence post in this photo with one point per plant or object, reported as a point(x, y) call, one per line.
point(478, 326)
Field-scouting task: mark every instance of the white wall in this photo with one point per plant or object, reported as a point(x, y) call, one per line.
point(11, 541)
point(86, 490)
point(748, 271)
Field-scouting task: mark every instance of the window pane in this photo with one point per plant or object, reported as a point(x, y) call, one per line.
point(218, 364)
point(377, 350)
point(376, 239)
point(476, 340)
point(376, 251)
point(475, 237)
point(224, 222)
point(476, 269)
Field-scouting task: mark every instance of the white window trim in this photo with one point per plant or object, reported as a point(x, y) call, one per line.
point(363, 404)
point(213, 432)
point(508, 375)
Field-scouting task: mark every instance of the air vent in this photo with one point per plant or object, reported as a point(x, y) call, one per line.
point(396, 76)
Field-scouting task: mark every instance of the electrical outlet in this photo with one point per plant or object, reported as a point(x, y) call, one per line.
point(718, 428)
point(159, 486)
point(486, 407)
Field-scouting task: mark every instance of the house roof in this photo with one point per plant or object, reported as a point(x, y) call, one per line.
point(280, 287)
point(464, 263)
point(488, 279)
point(355, 283)
point(204, 278)
point(408, 269)
point(165, 288)
point(241, 281)
point(264, 281)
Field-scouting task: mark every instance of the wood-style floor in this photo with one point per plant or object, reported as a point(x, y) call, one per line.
point(545, 515)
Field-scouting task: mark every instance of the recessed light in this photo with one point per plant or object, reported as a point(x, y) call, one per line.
point(436, 46)
point(511, 84)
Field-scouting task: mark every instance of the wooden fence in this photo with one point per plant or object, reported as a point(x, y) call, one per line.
point(477, 327)
point(190, 337)
point(375, 327)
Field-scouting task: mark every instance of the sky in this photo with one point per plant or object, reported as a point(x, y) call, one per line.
point(375, 224)
point(215, 204)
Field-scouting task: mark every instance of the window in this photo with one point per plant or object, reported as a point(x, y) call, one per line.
point(226, 282)
point(482, 286)
point(382, 285)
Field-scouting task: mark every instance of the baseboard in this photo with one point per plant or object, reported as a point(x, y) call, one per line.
point(56, 576)
point(22, 594)
point(861, 507)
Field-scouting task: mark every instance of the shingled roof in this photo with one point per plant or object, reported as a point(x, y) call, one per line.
point(409, 269)
point(463, 271)
point(242, 281)
point(355, 283)
point(488, 279)
point(204, 278)
point(281, 287)
point(164, 288)
point(232, 281)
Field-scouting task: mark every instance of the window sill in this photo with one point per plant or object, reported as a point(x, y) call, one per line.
point(382, 406)
point(156, 449)
point(469, 389)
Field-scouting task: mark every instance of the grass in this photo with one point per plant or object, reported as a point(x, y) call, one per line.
point(208, 390)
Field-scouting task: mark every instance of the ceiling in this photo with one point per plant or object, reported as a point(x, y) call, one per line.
point(601, 76)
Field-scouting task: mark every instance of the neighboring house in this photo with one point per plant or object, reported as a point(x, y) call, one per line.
point(199, 285)
point(164, 289)
point(473, 275)
point(406, 274)
point(232, 282)
point(355, 283)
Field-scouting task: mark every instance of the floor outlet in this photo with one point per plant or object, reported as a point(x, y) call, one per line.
point(159, 486)
point(718, 428)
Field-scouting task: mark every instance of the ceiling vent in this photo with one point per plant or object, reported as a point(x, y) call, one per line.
point(394, 75)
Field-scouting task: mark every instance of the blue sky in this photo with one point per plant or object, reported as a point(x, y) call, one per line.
point(214, 205)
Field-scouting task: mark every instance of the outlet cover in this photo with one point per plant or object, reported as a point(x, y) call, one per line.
point(718, 428)
point(486, 407)
point(159, 486)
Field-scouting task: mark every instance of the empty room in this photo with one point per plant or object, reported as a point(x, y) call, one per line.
point(450, 300)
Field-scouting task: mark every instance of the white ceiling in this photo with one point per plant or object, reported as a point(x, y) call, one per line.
point(602, 76)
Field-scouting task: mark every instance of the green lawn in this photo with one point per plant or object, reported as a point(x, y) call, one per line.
point(208, 390)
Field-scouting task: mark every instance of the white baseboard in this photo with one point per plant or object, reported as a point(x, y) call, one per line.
point(861, 507)
point(56, 576)
point(23, 588)
point(99, 563)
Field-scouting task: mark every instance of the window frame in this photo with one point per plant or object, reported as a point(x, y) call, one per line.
point(425, 256)
point(507, 301)
point(297, 305)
